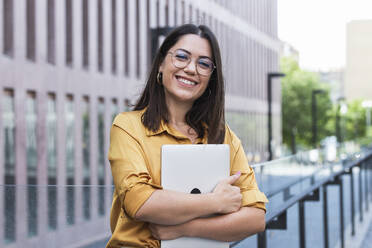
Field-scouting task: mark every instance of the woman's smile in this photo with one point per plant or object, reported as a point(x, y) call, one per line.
point(187, 82)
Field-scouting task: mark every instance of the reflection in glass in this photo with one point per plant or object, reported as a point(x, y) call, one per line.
point(70, 160)
point(8, 119)
point(101, 157)
point(86, 157)
point(31, 159)
point(51, 130)
point(114, 109)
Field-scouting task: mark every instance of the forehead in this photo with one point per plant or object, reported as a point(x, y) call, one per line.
point(194, 44)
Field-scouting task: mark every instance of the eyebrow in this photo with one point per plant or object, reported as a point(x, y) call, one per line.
point(188, 52)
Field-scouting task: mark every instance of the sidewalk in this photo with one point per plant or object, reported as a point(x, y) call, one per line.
point(367, 242)
point(363, 234)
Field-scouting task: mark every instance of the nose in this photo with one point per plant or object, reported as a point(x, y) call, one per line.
point(190, 68)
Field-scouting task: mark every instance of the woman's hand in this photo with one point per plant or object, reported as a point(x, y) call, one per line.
point(164, 232)
point(228, 197)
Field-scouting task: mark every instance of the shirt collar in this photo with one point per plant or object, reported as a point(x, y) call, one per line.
point(165, 127)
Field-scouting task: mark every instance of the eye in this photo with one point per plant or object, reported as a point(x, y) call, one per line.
point(182, 56)
point(205, 63)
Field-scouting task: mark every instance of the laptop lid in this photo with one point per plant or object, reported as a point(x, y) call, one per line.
point(194, 169)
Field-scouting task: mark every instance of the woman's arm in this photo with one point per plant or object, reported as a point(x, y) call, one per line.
point(171, 208)
point(229, 227)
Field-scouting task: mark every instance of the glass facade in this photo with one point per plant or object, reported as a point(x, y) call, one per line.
point(51, 138)
point(31, 160)
point(8, 125)
point(70, 158)
point(252, 131)
point(101, 156)
point(114, 109)
point(86, 156)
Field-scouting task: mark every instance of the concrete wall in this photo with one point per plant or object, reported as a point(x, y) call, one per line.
point(358, 80)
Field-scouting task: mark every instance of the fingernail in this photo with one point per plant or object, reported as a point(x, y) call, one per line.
point(238, 173)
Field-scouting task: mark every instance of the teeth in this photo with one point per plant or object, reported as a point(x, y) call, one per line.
point(185, 81)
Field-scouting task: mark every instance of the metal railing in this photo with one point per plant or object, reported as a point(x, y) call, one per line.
point(276, 219)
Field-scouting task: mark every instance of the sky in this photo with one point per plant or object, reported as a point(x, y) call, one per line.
point(317, 29)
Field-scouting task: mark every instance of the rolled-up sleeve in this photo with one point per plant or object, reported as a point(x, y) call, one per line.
point(132, 180)
point(252, 196)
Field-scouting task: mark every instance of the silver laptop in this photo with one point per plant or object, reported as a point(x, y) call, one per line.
point(194, 169)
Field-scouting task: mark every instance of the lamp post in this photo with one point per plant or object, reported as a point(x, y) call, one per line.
point(270, 76)
point(314, 115)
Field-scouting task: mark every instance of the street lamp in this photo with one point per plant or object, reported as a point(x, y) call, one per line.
point(270, 76)
point(314, 114)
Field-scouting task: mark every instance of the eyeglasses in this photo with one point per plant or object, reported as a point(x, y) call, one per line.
point(181, 59)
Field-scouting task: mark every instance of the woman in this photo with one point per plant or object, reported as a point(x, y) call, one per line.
point(182, 103)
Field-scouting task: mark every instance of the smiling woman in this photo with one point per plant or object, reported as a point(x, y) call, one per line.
point(182, 103)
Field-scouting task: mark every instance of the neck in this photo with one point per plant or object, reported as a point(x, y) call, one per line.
point(177, 112)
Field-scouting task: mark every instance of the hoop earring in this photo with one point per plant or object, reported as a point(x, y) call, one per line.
point(159, 78)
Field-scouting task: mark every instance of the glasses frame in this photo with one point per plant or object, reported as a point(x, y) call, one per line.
point(197, 70)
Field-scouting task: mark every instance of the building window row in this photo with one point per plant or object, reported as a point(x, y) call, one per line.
point(31, 126)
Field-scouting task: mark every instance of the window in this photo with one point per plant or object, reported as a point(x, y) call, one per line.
point(30, 29)
point(86, 156)
point(69, 33)
point(51, 139)
point(8, 119)
point(126, 39)
point(138, 48)
point(114, 109)
point(31, 160)
point(8, 27)
point(85, 39)
point(51, 31)
point(100, 35)
point(113, 36)
point(51, 126)
point(70, 158)
point(101, 156)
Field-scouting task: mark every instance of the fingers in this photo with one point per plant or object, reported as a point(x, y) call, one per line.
point(232, 179)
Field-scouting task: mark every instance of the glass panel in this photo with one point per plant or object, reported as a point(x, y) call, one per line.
point(51, 129)
point(70, 158)
point(31, 159)
point(86, 156)
point(51, 126)
point(114, 109)
point(8, 119)
point(31, 145)
point(101, 156)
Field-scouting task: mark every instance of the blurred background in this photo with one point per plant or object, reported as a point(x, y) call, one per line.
point(298, 93)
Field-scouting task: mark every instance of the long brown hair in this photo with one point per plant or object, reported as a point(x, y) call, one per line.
point(209, 108)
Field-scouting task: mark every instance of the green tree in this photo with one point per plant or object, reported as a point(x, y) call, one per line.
point(354, 123)
point(297, 87)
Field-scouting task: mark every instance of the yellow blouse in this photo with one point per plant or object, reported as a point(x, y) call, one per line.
point(134, 156)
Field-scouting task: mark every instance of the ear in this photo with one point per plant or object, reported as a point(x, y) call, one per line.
point(161, 67)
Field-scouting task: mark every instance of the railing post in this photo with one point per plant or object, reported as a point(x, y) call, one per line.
point(366, 190)
point(360, 192)
point(301, 211)
point(261, 239)
point(325, 216)
point(352, 202)
point(341, 212)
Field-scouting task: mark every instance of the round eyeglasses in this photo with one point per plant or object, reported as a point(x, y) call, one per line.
point(181, 59)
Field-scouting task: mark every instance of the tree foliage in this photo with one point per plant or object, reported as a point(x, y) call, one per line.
point(297, 87)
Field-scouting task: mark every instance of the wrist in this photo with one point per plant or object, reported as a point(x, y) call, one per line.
point(188, 229)
point(214, 203)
